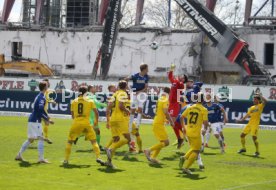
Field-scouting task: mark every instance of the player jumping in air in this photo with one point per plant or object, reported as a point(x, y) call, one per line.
point(196, 116)
point(159, 128)
point(214, 117)
point(118, 121)
point(48, 100)
point(80, 111)
point(138, 98)
point(177, 86)
point(34, 125)
point(254, 112)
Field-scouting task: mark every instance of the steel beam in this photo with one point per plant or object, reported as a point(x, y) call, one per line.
point(211, 4)
point(38, 10)
point(102, 11)
point(139, 12)
point(8, 4)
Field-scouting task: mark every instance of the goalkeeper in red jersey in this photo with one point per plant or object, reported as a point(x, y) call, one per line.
point(174, 101)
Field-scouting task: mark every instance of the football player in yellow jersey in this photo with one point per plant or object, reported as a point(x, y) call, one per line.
point(254, 112)
point(196, 116)
point(80, 110)
point(48, 100)
point(118, 121)
point(159, 129)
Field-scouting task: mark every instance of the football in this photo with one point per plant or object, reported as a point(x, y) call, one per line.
point(154, 45)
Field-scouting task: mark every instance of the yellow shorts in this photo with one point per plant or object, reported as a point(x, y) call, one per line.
point(134, 129)
point(119, 128)
point(195, 143)
point(253, 130)
point(78, 129)
point(160, 132)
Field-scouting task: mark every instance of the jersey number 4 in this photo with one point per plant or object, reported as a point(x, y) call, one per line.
point(80, 108)
point(193, 118)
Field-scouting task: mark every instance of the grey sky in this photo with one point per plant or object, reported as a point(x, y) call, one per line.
point(15, 13)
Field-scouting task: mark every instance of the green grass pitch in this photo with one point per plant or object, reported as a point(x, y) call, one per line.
point(228, 171)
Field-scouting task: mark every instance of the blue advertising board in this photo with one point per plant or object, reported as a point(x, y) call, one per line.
point(22, 101)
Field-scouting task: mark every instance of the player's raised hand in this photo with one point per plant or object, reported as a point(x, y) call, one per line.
point(107, 125)
point(172, 67)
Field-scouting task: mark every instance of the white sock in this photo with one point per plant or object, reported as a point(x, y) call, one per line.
point(208, 135)
point(139, 117)
point(40, 148)
point(131, 120)
point(199, 160)
point(24, 147)
point(220, 141)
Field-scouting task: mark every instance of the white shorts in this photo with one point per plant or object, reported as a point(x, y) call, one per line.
point(34, 130)
point(138, 100)
point(216, 128)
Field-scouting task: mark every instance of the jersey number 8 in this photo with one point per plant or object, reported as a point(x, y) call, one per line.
point(80, 108)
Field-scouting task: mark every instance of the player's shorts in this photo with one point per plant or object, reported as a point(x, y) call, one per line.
point(216, 128)
point(119, 128)
point(195, 142)
point(174, 109)
point(135, 129)
point(160, 132)
point(78, 129)
point(138, 100)
point(253, 130)
point(34, 130)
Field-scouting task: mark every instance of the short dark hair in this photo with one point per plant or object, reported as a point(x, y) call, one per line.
point(89, 87)
point(122, 84)
point(258, 97)
point(42, 85)
point(110, 86)
point(167, 90)
point(143, 66)
point(83, 90)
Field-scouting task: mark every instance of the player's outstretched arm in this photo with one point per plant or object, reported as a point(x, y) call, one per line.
point(108, 113)
point(243, 118)
point(264, 100)
point(168, 117)
point(225, 117)
point(96, 116)
point(123, 108)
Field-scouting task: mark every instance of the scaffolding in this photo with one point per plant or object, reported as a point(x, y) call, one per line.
point(61, 13)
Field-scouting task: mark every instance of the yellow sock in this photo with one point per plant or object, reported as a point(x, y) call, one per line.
point(243, 142)
point(45, 130)
point(181, 135)
point(68, 151)
point(256, 142)
point(155, 153)
point(96, 150)
point(109, 143)
point(157, 146)
point(187, 155)
point(139, 142)
point(188, 163)
point(118, 144)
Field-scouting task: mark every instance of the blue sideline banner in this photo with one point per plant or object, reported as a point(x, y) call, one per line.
point(22, 101)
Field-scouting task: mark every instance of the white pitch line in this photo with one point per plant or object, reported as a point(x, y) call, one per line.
point(252, 184)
